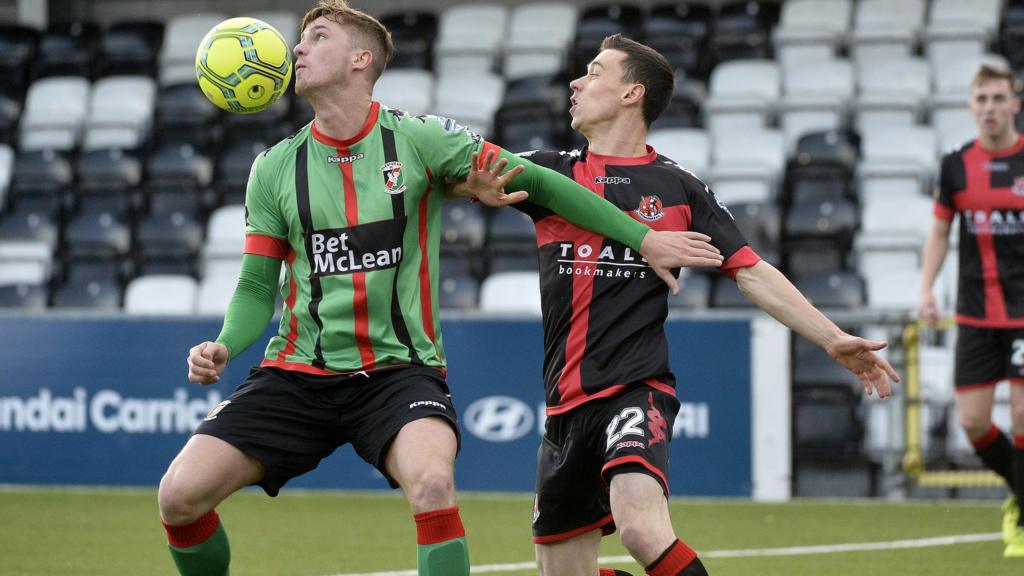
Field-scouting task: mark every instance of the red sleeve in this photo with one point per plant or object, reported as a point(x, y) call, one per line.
point(268, 246)
point(745, 257)
point(943, 212)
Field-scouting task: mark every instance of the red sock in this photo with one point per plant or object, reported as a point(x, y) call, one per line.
point(195, 533)
point(438, 526)
point(605, 571)
point(673, 560)
point(982, 442)
point(1018, 441)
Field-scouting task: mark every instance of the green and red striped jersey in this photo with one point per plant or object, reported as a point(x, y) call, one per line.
point(357, 223)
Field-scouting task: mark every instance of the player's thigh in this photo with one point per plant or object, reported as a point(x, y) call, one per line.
point(1017, 406)
point(576, 556)
point(639, 499)
point(205, 472)
point(426, 445)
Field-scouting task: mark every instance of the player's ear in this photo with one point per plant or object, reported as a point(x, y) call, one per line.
point(361, 59)
point(634, 94)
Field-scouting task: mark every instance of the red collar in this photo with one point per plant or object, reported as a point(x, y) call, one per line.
point(371, 120)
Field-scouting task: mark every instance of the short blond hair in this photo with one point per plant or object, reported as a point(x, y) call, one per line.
point(990, 72)
point(367, 32)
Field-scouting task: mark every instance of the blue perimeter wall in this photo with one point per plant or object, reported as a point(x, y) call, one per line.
point(105, 401)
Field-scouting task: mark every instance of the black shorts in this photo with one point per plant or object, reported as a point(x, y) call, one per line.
point(584, 448)
point(986, 356)
point(289, 421)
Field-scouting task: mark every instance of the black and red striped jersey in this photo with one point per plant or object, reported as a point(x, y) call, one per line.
point(986, 189)
point(604, 307)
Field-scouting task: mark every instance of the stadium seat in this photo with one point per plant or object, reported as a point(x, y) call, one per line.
point(815, 99)
point(284, 21)
point(108, 172)
point(463, 225)
point(225, 234)
point(97, 231)
point(688, 147)
point(25, 262)
point(684, 109)
point(822, 168)
point(743, 95)
point(181, 37)
point(31, 298)
point(131, 48)
point(470, 38)
point(55, 109)
point(161, 295)
point(834, 290)
point(892, 269)
point(27, 220)
point(215, 290)
point(532, 114)
point(91, 284)
point(120, 113)
point(1012, 31)
point(952, 79)
point(184, 114)
point(470, 98)
point(511, 242)
point(959, 27)
point(10, 115)
point(18, 45)
point(746, 165)
point(811, 30)
point(232, 170)
point(42, 177)
point(597, 22)
point(827, 423)
point(538, 38)
point(511, 293)
point(179, 168)
point(761, 225)
point(169, 234)
point(892, 93)
point(406, 89)
point(898, 216)
point(829, 219)
point(413, 34)
point(680, 31)
point(897, 162)
point(6, 172)
point(694, 292)
point(271, 124)
point(726, 294)
point(453, 262)
point(68, 49)
point(955, 127)
point(743, 31)
point(886, 29)
point(458, 293)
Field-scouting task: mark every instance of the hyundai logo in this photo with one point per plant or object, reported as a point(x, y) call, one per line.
point(499, 418)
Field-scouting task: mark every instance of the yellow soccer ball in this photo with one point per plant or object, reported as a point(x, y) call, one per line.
point(243, 65)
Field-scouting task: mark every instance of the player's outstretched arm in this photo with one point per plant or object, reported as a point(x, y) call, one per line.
point(250, 309)
point(772, 292)
point(935, 249)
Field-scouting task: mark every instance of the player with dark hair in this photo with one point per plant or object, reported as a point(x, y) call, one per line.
point(351, 205)
point(983, 184)
point(611, 403)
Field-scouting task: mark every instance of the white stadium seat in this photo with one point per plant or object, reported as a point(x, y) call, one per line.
point(55, 109)
point(512, 293)
point(746, 165)
point(743, 95)
point(25, 262)
point(120, 112)
point(898, 162)
point(885, 29)
point(406, 89)
point(688, 147)
point(181, 39)
point(539, 35)
point(815, 100)
point(960, 27)
point(470, 98)
point(811, 30)
point(470, 37)
point(161, 294)
point(892, 93)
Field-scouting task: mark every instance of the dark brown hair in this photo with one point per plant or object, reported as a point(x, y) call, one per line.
point(367, 32)
point(644, 65)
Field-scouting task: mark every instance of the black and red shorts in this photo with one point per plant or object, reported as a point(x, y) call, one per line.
point(289, 421)
point(986, 356)
point(584, 448)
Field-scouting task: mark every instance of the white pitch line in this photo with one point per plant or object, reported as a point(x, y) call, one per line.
point(788, 551)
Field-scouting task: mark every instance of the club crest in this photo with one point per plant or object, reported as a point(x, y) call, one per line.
point(394, 183)
point(1018, 186)
point(651, 208)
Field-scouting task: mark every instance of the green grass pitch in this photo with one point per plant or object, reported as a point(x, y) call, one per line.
point(111, 532)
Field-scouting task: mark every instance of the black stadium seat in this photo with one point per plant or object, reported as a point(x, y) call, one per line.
point(413, 34)
point(743, 31)
point(459, 292)
point(18, 46)
point(68, 50)
point(95, 284)
point(680, 32)
point(108, 173)
point(10, 114)
point(232, 171)
point(24, 297)
point(834, 290)
point(694, 292)
point(131, 48)
point(596, 23)
point(184, 114)
point(726, 294)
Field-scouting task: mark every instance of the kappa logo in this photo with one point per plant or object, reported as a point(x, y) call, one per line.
point(611, 180)
point(394, 183)
point(344, 159)
point(651, 208)
point(1018, 186)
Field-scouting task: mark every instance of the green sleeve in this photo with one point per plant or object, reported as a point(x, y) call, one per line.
point(252, 305)
point(575, 203)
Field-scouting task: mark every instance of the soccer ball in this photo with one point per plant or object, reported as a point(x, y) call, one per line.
point(243, 65)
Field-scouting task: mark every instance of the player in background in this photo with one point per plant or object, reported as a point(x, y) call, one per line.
point(983, 184)
point(611, 403)
point(351, 204)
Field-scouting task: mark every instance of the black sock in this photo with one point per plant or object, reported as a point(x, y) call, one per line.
point(1018, 475)
point(996, 452)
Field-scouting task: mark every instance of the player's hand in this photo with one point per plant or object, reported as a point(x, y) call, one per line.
point(858, 356)
point(205, 362)
point(928, 309)
point(487, 184)
point(666, 250)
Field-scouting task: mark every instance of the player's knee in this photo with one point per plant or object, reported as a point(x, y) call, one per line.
point(1017, 412)
point(975, 425)
point(177, 507)
point(637, 537)
point(433, 489)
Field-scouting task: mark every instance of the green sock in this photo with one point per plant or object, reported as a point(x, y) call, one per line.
point(210, 558)
point(448, 558)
